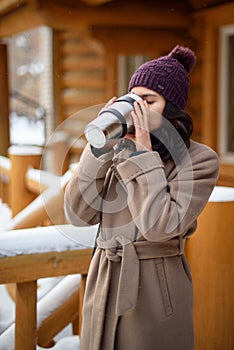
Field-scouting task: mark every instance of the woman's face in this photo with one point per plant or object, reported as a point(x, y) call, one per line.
point(155, 102)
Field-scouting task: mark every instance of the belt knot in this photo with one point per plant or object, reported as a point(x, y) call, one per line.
point(114, 254)
point(120, 248)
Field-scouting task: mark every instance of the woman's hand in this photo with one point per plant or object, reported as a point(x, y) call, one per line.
point(109, 103)
point(141, 116)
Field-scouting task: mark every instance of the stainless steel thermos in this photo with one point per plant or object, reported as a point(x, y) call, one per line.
point(112, 122)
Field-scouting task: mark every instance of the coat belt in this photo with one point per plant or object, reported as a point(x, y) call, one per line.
point(129, 253)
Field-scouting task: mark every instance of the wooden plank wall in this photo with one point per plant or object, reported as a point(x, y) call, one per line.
point(194, 102)
point(80, 73)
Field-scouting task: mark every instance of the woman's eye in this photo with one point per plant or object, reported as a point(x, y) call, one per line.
point(150, 102)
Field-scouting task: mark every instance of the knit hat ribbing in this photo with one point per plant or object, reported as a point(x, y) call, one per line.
point(167, 75)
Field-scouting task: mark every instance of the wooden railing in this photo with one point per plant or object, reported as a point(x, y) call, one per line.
point(5, 171)
point(31, 254)
point(35, 197)
point(22, 180)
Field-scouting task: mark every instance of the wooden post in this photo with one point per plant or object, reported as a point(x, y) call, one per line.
point(22, 157)
point(210, 253)
point(4, 183)
point(25, 319)
point(4, 102)
point(111, 62)
point(60, 151)
point(209, 87)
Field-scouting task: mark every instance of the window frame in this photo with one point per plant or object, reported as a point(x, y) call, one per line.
point(226, 156)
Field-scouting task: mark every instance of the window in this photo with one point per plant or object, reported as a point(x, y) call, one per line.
point(126, 67)
point(226, 112)
point(31, 86)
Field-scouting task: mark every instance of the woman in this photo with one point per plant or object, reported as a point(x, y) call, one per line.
point(146, 192)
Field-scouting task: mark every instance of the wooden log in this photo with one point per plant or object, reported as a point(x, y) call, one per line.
point(25, 318)
point(218, 15)
point(4, 102)
point(78, 35)
point(95, 2)
point(24, 268)
point(10, 5)
point(4, 191)
point(111, 14)
point(21, 19)
point(226, 175)
point(60, 150)
point(129, 40)
point(38, 180)
point(5, 166)
point(66, 313)
point(74, 98)
point(5, 171)
point(73, 46)
point(21, 159)
point(86, 81)
point(78, 109)
point(210, 253)
point(78, 63)
point(46, 206)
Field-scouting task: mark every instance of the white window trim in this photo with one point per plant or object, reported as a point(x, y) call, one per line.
point(122, 71)
point(225, 155)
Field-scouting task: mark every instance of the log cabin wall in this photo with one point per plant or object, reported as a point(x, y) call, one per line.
point(80, 72)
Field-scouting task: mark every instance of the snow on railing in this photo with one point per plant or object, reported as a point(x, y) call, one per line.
point(39, 180)
point(222, 194)
point(49, 204)
point(56, 238)
point(21, 181)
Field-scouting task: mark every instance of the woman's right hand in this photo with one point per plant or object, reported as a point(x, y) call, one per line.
point(110, 102)
point(141, 117)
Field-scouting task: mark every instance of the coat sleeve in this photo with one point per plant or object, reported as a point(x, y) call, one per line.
point(166, 207)
point(83, 194)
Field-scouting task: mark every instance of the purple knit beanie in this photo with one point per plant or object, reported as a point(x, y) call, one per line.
point(167, 75)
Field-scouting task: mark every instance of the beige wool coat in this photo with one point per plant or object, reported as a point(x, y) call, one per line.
point(139, 292)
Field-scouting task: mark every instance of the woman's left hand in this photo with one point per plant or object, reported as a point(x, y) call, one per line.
point(140, 116)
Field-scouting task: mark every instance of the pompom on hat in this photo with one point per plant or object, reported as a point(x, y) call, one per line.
point(167, 75)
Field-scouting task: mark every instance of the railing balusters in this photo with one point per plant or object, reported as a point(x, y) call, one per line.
point(25, 325)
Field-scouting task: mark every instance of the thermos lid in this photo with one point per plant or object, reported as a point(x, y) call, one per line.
point(95, 136)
